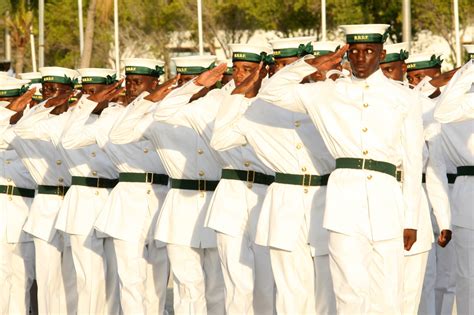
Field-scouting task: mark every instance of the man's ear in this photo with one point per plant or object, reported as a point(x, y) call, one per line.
point(383, 53)
point(404, 68)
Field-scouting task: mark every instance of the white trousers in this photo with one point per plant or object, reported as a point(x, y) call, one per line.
point(464, 247)
point(17, 263)
point(89, 262)
point(143, 276)
point(112, 286)
point(248, 277)
point(294, 278)
point(439, 286)
point(55, 277)
point(367, 275)
point(413, 276)
point(325, 299)
point(199, 284)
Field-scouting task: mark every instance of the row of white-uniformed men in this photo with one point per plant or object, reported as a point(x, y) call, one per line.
point(120, 224)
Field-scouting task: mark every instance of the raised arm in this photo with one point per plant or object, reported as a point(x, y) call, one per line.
point(456, 103)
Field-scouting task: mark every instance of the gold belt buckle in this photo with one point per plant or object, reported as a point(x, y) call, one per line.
point(306, 176)
point(203, 181)
point(149, 178)
point(250, 177)
point(60, 190)
point(10, 189)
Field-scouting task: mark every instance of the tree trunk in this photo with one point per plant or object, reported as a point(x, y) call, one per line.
point(19, 59)
point(89, 35)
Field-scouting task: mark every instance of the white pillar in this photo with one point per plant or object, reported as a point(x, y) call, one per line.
point(41, 33)
point(323, 20)
point(33, 50)
point(406, 7)
point(81, 27)
point(201, 41)
point(8, 45)
point(457, 33)
point(116, 35)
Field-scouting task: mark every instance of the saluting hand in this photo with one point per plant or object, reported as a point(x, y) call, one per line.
point(108, 93)
point(251, 85)
point(59, 100)
point(444, 237)
point(20, 103)
point(327, 62)
point(210, 77)
point(162, 90)
point(443, 78)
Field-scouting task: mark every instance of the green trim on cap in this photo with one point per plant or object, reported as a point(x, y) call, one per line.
point(366, 38)
point(322, 52)
point(434, 62)
point(470, 55)
point(401, 56)
point(229, 71)
point(37, 97)
point(99, 80)
point(10, 93)
point(251, 57)
point(58, 79)
point(301, 51)
point(193, 70)
point(144, 71)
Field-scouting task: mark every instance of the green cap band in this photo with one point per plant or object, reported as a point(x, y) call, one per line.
point(251, 57)
point(99, 80)
point(144, 71)
point(434, 62)
point(229, 71)
point(301, 51)
point(10, 93)
point(402, 55)
point(58, 79)
point(37, 80)
point(470, 55)
point(366, 38)
point(193, 70)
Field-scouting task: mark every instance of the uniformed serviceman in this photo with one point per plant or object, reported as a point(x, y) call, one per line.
point(364, 126)
point(394, 67)
point(291, 219)
point(458, 105)
point(17, 190)
point(93, 177)
point(35, 82)
point(133, 206)
point(235, 205)
point(37, 135)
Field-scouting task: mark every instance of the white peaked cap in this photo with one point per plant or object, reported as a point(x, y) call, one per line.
point(194, 61)
point(395, 48)
point(143, 62)
point(292, 42)
point(58, 72)
point(96, 72)
point(253, 49)
point(30, 75)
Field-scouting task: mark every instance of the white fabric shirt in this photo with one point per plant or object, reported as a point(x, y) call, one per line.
point(14, 210)
point(235, 206)
point(183, 213)
point(368, 119)
point(132, 209)
point(82, 204)
point(287, 142)
point(34, 138)
point(456, 103)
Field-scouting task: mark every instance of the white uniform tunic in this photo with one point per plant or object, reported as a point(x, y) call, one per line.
point(366, 210)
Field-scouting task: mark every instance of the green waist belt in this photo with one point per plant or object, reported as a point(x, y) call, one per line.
point(466, 170)
point(52, 190)
point(248, 176)
point(94, 182)
point(451, 177)
point(150, 178)
point(17, 191)
point(303, 180)
point(367, 164)
point(193, 184)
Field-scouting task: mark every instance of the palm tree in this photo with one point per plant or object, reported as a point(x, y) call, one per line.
point(20, 23)
point(89, 35)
